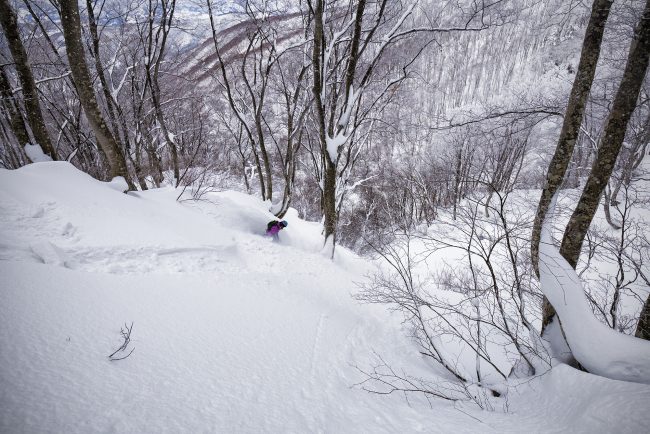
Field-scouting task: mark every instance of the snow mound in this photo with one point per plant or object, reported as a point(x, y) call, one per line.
point(98, 211)
point(35, 153)
point(600, 349)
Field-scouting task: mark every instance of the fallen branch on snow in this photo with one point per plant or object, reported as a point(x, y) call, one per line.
point(126, 336)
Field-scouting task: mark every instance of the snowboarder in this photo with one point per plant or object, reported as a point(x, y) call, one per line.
point(274, 227)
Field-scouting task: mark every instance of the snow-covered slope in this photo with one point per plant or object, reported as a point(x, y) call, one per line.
point(232, 333)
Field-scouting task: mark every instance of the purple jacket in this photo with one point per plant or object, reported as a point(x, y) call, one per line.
point(274, 230)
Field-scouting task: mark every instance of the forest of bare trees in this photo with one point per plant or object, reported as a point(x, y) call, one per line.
point(379, 119)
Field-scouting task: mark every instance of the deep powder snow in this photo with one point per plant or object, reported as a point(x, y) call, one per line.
point(232, 332)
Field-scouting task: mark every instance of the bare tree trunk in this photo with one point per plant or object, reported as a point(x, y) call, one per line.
point(231, 102)
point(152, 155)
point(155, 164)
point(9, 23)
point(10, 157)
point(72, 34)
point(354, 50)
point(11, 105)
point(110, 103)
point(257, 102)
point(328, 198)
point(633, 160)
point(265, 156)
point(317, 91)
point(570, 129)
point(143, 137)
point(613, 136)
point(168, 8)
point(457, 180)
point(155, 98)
point(335, 125)
point(289, 169)
point(606, 207)
point(137, 165)
point(643, 327)
point(239, 139)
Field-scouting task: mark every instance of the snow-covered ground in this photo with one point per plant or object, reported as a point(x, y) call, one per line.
point(232, 332)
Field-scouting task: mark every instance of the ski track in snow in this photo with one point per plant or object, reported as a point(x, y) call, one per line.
point(56, 242)
point(314, 351)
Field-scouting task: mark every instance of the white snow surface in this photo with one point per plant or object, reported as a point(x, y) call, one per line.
point(232, 332)
point(35, 153)
point(598, 348)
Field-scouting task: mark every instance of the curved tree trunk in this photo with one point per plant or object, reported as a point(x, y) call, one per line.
point(72, 34)
point(606, 207)
point(30, 93)
point(570, 129)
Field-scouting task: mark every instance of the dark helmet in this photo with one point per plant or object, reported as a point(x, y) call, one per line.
point(284, 223)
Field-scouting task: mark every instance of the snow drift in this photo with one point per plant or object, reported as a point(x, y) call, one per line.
point(600, 349)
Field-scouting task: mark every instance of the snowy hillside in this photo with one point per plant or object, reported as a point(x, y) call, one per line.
point(231, 332)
